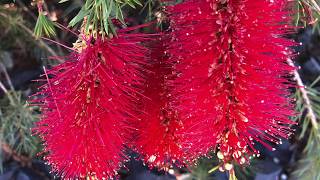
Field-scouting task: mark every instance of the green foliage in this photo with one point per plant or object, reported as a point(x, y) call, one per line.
point(99, 13)
point(17, 36)
point(16, 121)
point(12, 33)
point(309, 164)
point(203, 169)
point(207, 169)
point(44, 26)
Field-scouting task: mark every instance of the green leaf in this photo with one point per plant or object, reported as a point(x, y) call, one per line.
point(309, 164)
point(44, 27)
point(105, 17)
point(131, 4)
point(62, 1)
point(79, 17)
point(16, 121)
point(112, 28)
point(213, 169)
point(90, 17)
point(137, 2)
point(99, 13)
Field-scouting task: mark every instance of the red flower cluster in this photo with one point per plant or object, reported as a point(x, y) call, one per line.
point(219, 84)
point(88, 106)
point(158, 142)
point(231, 89)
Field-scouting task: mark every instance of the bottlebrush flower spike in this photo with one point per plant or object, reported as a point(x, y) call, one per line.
point(87, 107)
point(231, 59)
point(158, 142)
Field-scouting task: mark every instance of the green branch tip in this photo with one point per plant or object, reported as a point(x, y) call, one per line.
point(44, 27)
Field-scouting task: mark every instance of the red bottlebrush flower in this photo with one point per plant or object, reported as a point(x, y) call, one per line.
point(88, 104)
point(158, 141)
point(231, 59)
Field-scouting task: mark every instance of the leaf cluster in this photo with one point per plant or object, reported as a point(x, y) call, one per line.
point(12, 34)
point(17, 36)
point(309, 164)
point(44, 26)
point(16, 121)
point(208, 168)
point(98, 15)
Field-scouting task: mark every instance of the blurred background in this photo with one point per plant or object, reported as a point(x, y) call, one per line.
point(22, 57)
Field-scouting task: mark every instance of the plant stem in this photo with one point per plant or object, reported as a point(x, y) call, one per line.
point(7, 76)
point(305, 97)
